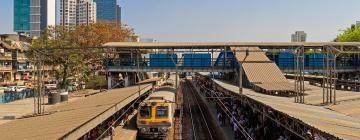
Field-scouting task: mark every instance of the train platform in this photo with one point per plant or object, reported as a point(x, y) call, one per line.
point(333, 122)
point(73, 119)
point(128, 131)
point(19, 108)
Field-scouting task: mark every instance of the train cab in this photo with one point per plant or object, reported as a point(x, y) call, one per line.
point(155, 114)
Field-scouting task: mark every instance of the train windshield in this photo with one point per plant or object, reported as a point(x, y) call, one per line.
point(161, 111)
point(145, 111)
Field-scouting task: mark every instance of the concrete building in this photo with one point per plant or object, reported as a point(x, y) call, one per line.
point(118, 14)
point(42, 15)
point(298, 36)
point(22, 16)
point(68, 12)
point(14, 65)
point(86, 12)
point(108, 10)
point(77, 12)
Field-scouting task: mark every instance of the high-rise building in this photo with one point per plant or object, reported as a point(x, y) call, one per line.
point(68, 12)
point(108, 10)
point(42, 15)
point(86, 12)
point(118, 14)
point(22, 16)
point(299, 36)
point(77, 12)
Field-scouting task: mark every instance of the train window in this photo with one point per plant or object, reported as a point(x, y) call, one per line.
point(145, 112)
point(161, 111)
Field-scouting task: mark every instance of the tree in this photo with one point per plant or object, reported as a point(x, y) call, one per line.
point(95, 35)
point(102, 32)
point(349, 35)
point(53, 48)
point(68, 49)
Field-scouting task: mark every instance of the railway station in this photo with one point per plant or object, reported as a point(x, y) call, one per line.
point(214, 90)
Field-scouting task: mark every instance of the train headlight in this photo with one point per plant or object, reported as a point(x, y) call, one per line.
point(144, 130)
point(163, 129)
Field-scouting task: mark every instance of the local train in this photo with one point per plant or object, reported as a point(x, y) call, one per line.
point(155, 114)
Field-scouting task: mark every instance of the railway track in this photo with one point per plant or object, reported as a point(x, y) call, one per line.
point(198, 123)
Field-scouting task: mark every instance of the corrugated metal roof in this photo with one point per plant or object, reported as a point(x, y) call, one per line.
point(261, 73)
point(254, 54)
point(166, 92)
point(64, 118)
point(326, 120)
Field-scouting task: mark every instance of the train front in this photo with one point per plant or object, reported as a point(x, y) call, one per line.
point(155, 115)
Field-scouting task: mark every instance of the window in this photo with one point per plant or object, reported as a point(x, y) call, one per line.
point(145, 112)
point(161, 111)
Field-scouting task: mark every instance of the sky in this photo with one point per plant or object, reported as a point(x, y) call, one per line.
point(228, 20)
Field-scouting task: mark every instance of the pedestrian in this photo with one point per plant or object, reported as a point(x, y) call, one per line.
point(236, 129)
point(112, 132)
point(125, 119)
point(232, 120)
point(219, 118)
point(93, 134)
point(223, 120)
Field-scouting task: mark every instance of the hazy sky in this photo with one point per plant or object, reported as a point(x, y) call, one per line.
point(228, 20)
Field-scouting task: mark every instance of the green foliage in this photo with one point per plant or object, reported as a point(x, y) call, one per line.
point(52, 48)
point(66, 49)
point(86, 75)
point(349, 35)
point(96, 82)
point(312, 51)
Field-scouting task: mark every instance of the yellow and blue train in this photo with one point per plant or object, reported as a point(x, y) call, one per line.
point(155, 114)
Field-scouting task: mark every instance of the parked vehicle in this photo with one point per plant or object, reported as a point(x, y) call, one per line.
point(51, 86)
point(11, 89)
point(20, 88)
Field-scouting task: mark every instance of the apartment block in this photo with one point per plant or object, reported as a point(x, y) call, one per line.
point(77, 12)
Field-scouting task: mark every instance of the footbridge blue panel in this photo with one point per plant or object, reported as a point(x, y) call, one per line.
point(230, 59)
point(197, 60)
point(163, 60)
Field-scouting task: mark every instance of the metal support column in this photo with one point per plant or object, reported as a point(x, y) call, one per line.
point(299, 75)
point(138, 66)
point(329, 74)
point(240, 78)
point(212, 65)
point(39, 92)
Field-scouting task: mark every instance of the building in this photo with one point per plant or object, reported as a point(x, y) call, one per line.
point(147, 40)
point(68, 12)
point(357, 24)
point(299, 36)
point(110, 11)
point(86, 12)
point(22, 16)
point(42, 15)
point(118, 14)
point(77, 12)
point(14, 65)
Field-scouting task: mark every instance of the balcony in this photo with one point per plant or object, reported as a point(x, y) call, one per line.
point(5, 68)
point(5, 56)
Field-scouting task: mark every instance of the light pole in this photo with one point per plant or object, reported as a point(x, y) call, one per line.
point(241, 71)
